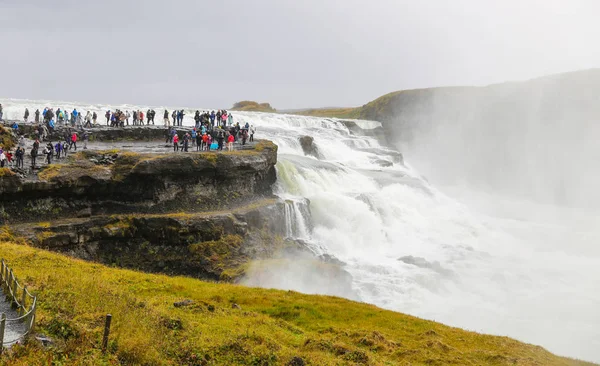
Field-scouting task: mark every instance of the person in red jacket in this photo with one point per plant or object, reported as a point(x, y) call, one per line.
point(175, 142)
point(205, 142)
point(73, 141)
point(230, 143)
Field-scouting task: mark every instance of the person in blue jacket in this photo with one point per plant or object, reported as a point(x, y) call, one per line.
point(194, 135)
point(74, 115)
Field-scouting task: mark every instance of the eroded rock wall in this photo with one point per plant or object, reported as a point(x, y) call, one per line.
point(213, 246)
point(143, 183)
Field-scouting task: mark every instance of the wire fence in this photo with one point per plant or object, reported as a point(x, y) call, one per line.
point(22, 301)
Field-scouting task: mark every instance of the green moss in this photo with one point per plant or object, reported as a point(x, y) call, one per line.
point(7, 235)
point(108, 152)
point(124, 163)
point(124, 222)
point(43, 235)
point(234, 273)
point(50, 171)
point(221, 254)
point(265, 144)
point(217, 250)
point(6, 172)
point(210, 157)
point(73, 171)
point(7, 140)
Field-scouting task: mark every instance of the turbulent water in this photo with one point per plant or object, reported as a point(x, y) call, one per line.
point(477, 261)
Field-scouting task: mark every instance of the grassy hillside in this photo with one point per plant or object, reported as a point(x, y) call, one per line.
point(383, 108)
point(251, 106)
point(229, 324)
point(331, 112)
point(558, 91)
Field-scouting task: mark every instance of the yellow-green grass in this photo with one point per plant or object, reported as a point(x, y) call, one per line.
point(252, 106)
point(331, 112)
point(381, 109)
point(6, 172)
point(266, 327)
point(7, 140)
point(72, 171)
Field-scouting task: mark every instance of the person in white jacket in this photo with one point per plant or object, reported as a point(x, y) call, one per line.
point(88, 120)
point(252, 131)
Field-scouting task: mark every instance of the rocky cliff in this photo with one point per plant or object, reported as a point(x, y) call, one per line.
point(205, 215)
point(105, 182)
point(105, 133)
point(201, 214)
point(209, 245)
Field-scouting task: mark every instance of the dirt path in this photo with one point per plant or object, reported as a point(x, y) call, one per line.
point(14, 329)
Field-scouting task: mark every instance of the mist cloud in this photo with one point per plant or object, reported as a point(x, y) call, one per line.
point(291, 54)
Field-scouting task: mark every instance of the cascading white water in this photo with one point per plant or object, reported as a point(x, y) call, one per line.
point(297, 218)
point(413, 249)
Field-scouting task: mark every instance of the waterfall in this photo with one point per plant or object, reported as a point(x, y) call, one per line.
point(297, 218)
point(411, 248)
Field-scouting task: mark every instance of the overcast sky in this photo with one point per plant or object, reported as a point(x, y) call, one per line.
point(293, 54)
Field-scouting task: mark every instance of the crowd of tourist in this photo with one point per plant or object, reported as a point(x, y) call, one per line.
point(211, 131)
point(118, 118)
point(205, 138)
point(50, 150)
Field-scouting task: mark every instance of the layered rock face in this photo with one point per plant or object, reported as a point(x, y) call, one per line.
point(213, 246)
point(199, 214)
point(128, 133)
point(99, 183)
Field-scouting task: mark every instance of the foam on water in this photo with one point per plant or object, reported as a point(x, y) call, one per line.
point(413, 249)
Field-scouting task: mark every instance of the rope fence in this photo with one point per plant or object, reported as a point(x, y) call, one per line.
point(22, 301)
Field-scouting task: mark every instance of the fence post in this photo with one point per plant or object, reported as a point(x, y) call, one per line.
point(32, 315)
point(2, 326)
point(23, 299)
point(2, 270)
point(11, 280)
point(14, 287)
point(5, 278)
point(106, 332)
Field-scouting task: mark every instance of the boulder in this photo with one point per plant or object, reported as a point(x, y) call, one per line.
point(309, 147)
point(383, 163)
point(184, 303)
